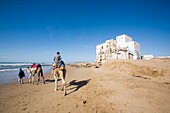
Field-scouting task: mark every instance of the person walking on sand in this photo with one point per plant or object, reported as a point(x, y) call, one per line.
point(21, 75)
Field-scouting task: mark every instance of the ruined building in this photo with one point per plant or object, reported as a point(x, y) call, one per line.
point(121, 48)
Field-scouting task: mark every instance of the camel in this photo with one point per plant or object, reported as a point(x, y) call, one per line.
point(59, 72)
point(32, 71)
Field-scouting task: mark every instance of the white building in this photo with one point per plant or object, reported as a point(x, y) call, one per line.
point(106, 51)
point(148, 57)
point(122, 40)
point(134, 49)
point(121, 48)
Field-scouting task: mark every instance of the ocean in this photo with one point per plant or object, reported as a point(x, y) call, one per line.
point(9, 70)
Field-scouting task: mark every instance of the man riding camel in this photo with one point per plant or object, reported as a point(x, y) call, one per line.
point(57, 60)
point(59, 71)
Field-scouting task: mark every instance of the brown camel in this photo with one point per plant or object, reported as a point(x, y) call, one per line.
point(59, 72)
point(32, 71)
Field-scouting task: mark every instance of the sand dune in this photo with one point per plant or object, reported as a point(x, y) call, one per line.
point(118, 86)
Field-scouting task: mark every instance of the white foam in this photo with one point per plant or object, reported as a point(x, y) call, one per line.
point(15, 64)
point(5, 70)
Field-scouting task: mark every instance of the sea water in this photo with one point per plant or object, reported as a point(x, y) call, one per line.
point(9, 70)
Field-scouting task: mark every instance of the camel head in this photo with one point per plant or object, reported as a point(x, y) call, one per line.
point(28, 70)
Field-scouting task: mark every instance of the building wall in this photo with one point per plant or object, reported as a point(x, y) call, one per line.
point(148, 57)
point(105, 51)
point(122, 41)
point(122, 55)
point(100, 49)
point(122, 48)
point(134, 48)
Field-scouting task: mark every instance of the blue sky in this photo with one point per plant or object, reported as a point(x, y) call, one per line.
point(34, 30)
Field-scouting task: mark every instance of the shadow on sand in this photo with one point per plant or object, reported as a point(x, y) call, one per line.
point(51, 80)
point(77, 84)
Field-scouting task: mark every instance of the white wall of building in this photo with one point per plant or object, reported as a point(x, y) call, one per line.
point(103, 51)
point(163, 57)
point(123, 44)
point(148, 57)
point(100, 49)
point(122, 40)
point(122, 55)
point(134, 48)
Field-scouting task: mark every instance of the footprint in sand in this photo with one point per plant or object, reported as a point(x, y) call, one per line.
point(23, 109)
point(25, 104)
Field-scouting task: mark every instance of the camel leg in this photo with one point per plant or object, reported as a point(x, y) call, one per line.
point(41, 72)
point(38, 73)
point(63, 82)
point(64, 86)
point(43, 79)
point(33, 79)
point(61, 76)
point(56, 83)
point(30, 78)
point(38, 79)
point(64, 76)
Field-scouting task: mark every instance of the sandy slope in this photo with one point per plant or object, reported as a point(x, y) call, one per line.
point(116, 87)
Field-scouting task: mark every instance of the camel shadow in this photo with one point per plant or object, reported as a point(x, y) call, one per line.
point(51, 80)
point(77, 85)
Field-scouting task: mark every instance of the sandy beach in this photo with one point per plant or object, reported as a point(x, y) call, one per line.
point(118, 86)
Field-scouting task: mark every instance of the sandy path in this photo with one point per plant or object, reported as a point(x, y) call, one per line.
point(92, 90)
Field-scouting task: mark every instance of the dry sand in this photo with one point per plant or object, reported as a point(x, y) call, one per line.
point(118, 86)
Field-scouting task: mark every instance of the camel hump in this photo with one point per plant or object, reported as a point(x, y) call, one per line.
point(35, 65)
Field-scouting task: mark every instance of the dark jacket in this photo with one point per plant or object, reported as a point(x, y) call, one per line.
point(21, 74)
